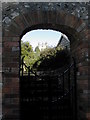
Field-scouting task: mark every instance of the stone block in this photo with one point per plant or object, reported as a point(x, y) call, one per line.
point(15, 29)
point(11, 31)
point(51, 16)
point(81, 78)
point(10, 75)
point(0, 87)
point(21, 22)
point(1, 40)
point(41, 15)
point(83, 69)
point(10, 39)
point(33, 18)
point(60, 18)
point(15, 49)
point(68, 20)
point(81, 27)
point(0, 76)
point(7, 33)
point(9, 44)
point(12, 64)
point(84, 33)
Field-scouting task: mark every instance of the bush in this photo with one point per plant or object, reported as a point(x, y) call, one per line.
point(52, 58)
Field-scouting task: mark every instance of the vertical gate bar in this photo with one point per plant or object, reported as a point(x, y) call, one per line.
point(63, 83)
point(49, 86)
point(69, 80)
point(63, 95)
point(35, 75)
point(28, 82)
point(42, 104)
point(28, 88)
point(28, 72)
point(75, 88)
point(69, 96)
point(57, 95)
point(73, 104)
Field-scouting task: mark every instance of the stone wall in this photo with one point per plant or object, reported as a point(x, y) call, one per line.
point(18, 18)
point(0, 61)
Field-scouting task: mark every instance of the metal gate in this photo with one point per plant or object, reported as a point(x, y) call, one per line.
point(48, 97)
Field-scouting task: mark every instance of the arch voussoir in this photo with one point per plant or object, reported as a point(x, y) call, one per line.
point(21, 22)
point(60, 17)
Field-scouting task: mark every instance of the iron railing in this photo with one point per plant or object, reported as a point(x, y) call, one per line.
point(66, 90)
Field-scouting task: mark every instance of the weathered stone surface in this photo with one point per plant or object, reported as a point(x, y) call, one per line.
point(69, 18)
point(11, 10)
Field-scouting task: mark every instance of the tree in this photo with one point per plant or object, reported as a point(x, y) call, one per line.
point(49, 58)
point(27, 51)
point(52, 58)
point(30, 56)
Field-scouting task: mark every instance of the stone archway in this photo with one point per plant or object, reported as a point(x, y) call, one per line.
point(30, 19)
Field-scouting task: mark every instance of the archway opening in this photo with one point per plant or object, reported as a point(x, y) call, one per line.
point(43, 79)
point(34, 16)
point(41, 48)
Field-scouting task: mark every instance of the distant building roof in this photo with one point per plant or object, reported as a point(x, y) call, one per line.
point(64, 41)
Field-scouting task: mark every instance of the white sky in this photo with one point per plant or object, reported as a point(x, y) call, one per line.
point(41, 36)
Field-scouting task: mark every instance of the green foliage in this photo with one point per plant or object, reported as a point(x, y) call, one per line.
point(30, 56)
point(49, 58)
point(52, 58)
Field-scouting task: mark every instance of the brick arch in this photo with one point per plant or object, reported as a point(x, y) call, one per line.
point(72, 26)
point(29, 19)
point(60, 28)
